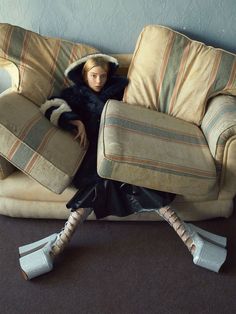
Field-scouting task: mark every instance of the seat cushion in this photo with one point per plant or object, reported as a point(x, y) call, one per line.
point(22, 197)
point(173, 74)
point(152, 149)
point(35, 146)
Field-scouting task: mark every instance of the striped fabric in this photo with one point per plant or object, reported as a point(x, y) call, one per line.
point(143, 147)
point(219, 125)
point(32, 144)
point(173, 74)
point(37, 63)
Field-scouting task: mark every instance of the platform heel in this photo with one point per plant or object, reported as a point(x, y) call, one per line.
point(209, 236)
point(37, 263)
point(208, 249)
point(31, 247)
point(207, 254)
point(37, 258)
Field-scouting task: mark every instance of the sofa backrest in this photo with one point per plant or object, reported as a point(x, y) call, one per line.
point(36, 63)
point(174, 74)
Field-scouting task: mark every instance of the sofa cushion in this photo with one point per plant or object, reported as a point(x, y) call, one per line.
point(16, 201)
point(31, 143)
point(36, 63)
point(173, 74)
point(152, 149)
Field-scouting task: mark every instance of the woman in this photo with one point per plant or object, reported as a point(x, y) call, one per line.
point(79, 110)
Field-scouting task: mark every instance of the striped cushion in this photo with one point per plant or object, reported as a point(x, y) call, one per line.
point(37, 63)
point(219, 125)
point(173, 74)
point(152, 149)
point(32, 144)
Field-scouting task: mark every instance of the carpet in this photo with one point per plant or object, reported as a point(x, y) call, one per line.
point(116, 268)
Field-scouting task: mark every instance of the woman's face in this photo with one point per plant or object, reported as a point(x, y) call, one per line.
point(96, 78)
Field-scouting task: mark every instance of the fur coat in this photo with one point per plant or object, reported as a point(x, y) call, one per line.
point(79, 102)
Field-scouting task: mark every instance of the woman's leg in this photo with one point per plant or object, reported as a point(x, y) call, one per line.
point(208, 249)
point(76, 217)
point(177, 224)
point(37, 258)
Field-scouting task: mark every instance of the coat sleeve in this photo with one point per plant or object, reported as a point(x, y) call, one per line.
point(59, 113)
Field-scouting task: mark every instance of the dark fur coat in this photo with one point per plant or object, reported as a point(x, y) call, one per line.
point(87, 106)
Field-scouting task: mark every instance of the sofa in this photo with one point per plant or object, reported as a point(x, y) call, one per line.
point(174, 130)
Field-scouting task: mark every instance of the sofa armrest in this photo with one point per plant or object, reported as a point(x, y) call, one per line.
point(219, 124)
point(219, 128)
point(32, 144)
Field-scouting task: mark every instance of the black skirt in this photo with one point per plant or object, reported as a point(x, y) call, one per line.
point(108, 197)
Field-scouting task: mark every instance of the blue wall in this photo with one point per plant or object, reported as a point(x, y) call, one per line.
point(114, 25)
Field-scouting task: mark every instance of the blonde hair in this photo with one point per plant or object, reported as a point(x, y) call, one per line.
point(94, 62)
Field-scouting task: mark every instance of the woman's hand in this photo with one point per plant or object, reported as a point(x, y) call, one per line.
point(80, 132)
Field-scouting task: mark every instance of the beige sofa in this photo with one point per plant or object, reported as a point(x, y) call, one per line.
point(174, 131)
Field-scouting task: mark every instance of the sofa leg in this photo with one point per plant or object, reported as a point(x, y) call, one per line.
point(208, 249)
point(37, 258)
